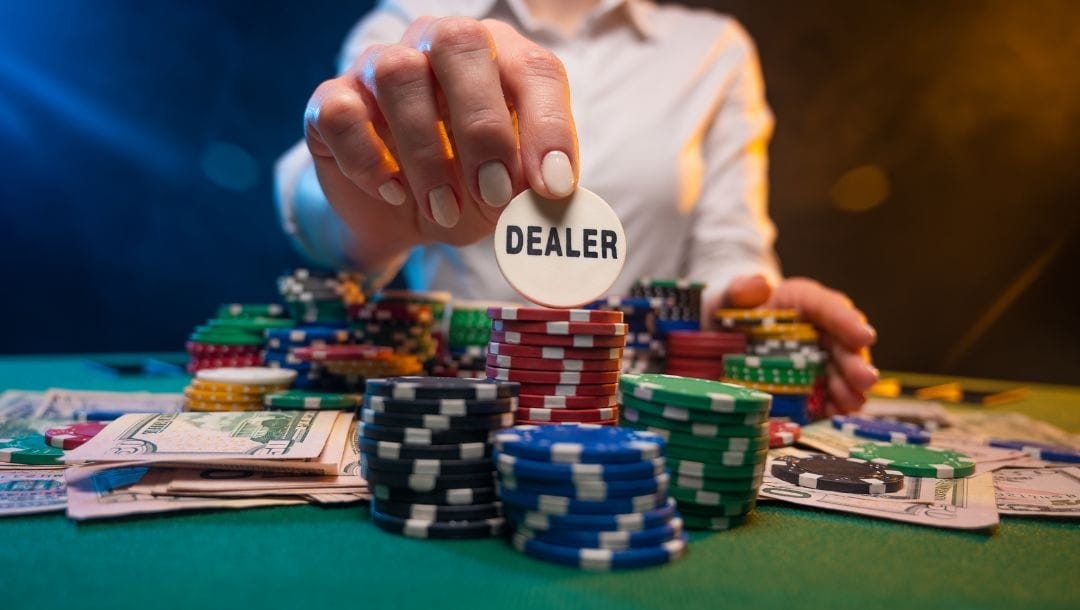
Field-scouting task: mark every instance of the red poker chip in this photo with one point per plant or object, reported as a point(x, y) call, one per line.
point(696, 362)
point(568, 415)
point(682, 351)
point(543, 314)
point(560, 328)
point(195, 348)
point(530, 422)
point(585, 389)
point(705, 338)
point(553, 364)
point(207, 361)
point(73, 435)
point(576, 341)
point(783, 433)
point(553, 377)
point(339, 353)
point(540, 401)
point(554, 352)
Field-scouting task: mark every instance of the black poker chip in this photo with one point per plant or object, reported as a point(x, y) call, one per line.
point(831, 473)
point(429, 467)
point(399, 451)
point(439, 422)
point(409, 388)
point(456, 407)
point(434, 512)
point(465, 496)
point(423, 436)
point(426, 482)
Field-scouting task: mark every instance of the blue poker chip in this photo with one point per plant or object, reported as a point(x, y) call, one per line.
point(602, 559)
point(590, 490)
point(580, 444)
point(568, 473)
point(663, 327)
point(881, 430)
point(792, 406)
point(629, 522)
point(284, 338)
point(561, 505)
point(1039, 451)
point(285, 359)
point(612, 540)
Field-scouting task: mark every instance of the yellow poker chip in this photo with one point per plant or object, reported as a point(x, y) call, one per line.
point(201, 405)
point(204, 396)
point(792, 328)
point(772, 388)
point(758, 315)
point(235, 388)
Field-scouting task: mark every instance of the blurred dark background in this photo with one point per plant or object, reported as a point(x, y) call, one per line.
point(925, 161)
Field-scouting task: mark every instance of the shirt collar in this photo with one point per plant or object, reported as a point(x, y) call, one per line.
point(636, 12)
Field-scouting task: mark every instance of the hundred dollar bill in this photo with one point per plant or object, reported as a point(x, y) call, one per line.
point(101, 491)
point(23, 492)
point(77, 405)
point(1038, 492)
point(200, 437)
point(19, 403)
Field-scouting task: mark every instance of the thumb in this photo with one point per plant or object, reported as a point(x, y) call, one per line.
point(747, 291)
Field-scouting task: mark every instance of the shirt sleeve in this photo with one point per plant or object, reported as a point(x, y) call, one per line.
point(732, 234)
point(314, 229)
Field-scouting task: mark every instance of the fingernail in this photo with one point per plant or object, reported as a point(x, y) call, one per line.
point(392, 193)
point(444, 206)
point(872, 331)
point(874, 371)
point(495, 187)
point(557, 173)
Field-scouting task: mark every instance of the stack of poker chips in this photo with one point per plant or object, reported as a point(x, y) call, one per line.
point(234, 337)
point(701, 354)
point(680, 308)
point(717, 442)
point(404, 325)
point(566, 360)
point(644, 352)
point(588, 496)
point(234, 388)
point(425, 447)
point(792, 380)
point(280, 352)
point(467, 330)
point(318, 297)
point(354, 364)
point(776, 333)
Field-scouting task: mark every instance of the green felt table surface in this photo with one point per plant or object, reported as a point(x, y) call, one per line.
point(315, 557)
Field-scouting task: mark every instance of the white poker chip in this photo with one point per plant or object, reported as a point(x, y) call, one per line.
point(248, 375)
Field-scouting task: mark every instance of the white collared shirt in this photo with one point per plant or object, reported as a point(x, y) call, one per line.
point(673, 130)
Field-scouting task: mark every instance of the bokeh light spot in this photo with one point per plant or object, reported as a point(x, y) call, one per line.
point(860, 189)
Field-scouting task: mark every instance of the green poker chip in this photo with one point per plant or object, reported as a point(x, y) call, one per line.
point(793, 362)
point(701, 443)
point(29, 449)
point(217, 338)
point(253, 324)
point(298, 399)
point(765, 376)
point(724, 486)
point(711, 502)
point(676, 413)
point(694, 393)
point(916, 460)
point(705, 429)
point(752, 469)
point(715, 524)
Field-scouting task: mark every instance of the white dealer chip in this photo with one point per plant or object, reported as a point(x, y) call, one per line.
point(560, 252)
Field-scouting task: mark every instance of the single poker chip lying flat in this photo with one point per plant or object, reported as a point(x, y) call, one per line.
point(783, 433)
point(627, 522)
point(831, 473)
point(439, 422)
point(440, 497)
point(553, 364)
point(1041, 451)
point(613, 540)
point(248, 376)
point(573, 473)
point(916, 460)
point(409, 388)
point(552, 377)
point(579, 443)
point(399, 451)
point(544, 314)
point(435, 512)
point(416, 528)
point(602, 559)
point(455, 407)
point(881, 430)
point(552, 352)
point(73, 435)
point(29, 449)
point(560, 328)
point(694, 393)
point(298, 399)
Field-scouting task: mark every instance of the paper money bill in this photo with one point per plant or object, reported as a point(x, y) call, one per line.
point(100, 491)
point(19, 404)
point(195, 437)
point(984, 425)
point(946, 503)
point(1038, 492)
point(929, 414)
point(23, 492)
point(79, 405)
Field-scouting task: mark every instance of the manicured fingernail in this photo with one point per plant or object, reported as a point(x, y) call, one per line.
point(874, 371)
point(872, 331)
point(557, 173)
point(392, 192)
point(495, 187)
point(444, 206)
